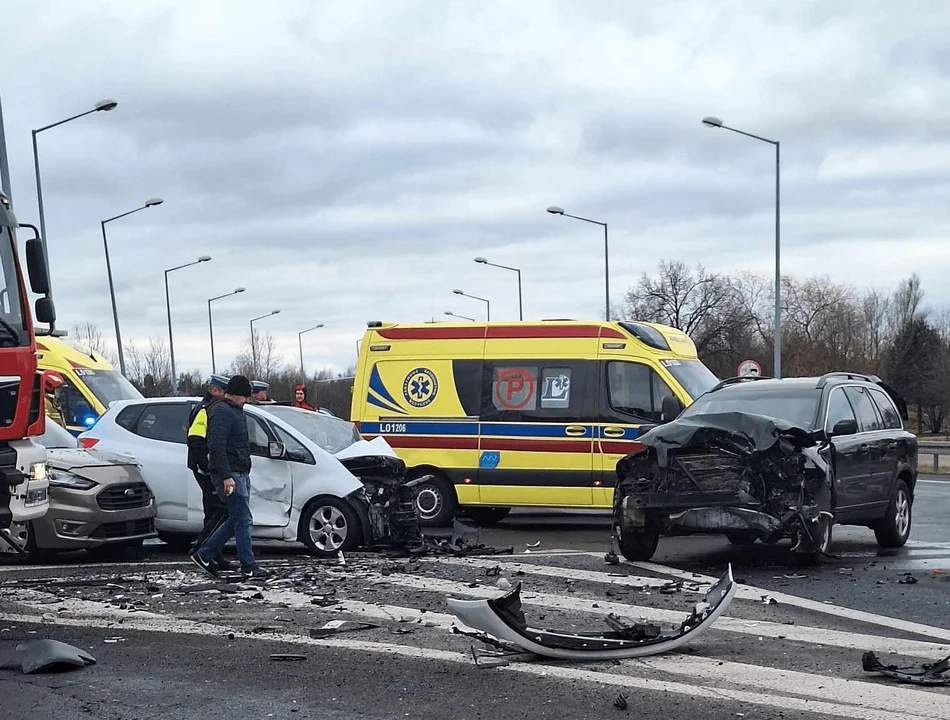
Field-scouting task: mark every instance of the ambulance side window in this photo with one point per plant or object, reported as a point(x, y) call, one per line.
point(635, 391)
point(468, 384)
point(534, 391)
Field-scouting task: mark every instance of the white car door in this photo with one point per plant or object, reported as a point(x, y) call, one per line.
point(271, 478)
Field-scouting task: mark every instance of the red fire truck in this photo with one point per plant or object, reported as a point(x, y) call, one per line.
point(24, 488)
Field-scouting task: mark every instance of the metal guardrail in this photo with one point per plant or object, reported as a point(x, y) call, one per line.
point(933, 448)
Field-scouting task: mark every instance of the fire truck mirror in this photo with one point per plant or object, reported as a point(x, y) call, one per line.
point(45, 310)
point(36, 266)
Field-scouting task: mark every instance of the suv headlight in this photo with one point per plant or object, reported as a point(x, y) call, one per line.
point(38, 471)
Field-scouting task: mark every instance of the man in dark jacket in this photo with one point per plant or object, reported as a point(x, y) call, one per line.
point(230, 464)
point(215, 509)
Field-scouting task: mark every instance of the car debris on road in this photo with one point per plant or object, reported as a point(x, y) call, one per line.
point(502, 619)
point(46, 656)
point(937, 673)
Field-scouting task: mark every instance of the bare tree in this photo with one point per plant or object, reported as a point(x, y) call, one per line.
point(88, 334)
point(260, 358)
point(149, 369)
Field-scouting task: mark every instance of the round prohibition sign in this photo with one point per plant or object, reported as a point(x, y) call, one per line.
point(515, 382)
point(749, 367)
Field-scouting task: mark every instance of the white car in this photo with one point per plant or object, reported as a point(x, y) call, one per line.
point(300, 489)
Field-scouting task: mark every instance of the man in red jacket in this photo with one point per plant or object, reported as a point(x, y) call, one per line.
point(300, 398)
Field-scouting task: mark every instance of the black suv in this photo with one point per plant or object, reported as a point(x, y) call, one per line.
point(759, 458)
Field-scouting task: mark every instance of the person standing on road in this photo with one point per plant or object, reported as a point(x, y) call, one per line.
point(215, 509)
point(300, 398)
point(230, 465)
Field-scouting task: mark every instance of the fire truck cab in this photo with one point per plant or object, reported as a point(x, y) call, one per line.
point(24, 488)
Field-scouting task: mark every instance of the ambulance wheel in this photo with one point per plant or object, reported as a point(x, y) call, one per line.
point(436, 501)
point(487, 515)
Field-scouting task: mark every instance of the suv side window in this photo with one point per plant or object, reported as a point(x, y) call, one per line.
point(868, 418)
point(636, 389)
point(838, 409)
point(129, 417)
point(892, 418)
point(167, 422)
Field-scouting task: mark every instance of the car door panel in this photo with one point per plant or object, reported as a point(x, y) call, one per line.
point(851, 463)
point(271, 479)
point(874, 493)
point(536, 439)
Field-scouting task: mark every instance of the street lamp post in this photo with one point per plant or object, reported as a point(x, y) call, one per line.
point(475, 297)
point(300, 343)
point(253, 343)
point(211, 323)
point(555, 210)
point(461, 317)
point(102, 106)
point(105, 244)
point(483, 261)
point(714, 122)
point(168, 308)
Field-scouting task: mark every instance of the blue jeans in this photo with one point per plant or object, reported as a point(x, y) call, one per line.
point(238, 525)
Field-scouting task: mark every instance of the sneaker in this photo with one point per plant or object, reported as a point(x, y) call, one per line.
point(209, 566)
point(255, 572)
point(223, 564)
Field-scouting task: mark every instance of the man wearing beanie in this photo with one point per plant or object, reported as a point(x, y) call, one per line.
point(230, 465)
point(215, 509)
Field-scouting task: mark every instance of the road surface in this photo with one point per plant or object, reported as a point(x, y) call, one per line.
point(168, 648)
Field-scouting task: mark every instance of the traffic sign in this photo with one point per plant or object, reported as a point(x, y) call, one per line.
point(749, 367)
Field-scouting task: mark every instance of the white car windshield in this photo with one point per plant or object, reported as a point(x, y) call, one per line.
point(328, 432)
point(56, 437)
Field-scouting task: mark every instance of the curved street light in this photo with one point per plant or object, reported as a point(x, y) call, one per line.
point(211, 323)
point(253, 343)
point(475, 297)
point(300, 343)
point(714, 122)
point(555, 210)
point(168, 308)
point(151, 202)
point(101, 106)
point(483, 261)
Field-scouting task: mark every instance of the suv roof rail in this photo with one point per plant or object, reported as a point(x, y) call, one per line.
point(738, 379)
point(867, 377)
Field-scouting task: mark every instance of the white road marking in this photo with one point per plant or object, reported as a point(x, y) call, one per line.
point(848, 706)
point(795, 633)
point(749, 592)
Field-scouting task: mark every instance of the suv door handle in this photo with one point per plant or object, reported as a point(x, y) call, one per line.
point(892, 445)
point(614, 431)
point(863, 449)
point(575, 430)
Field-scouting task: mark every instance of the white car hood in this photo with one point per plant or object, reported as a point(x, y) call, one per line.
point(367, 448)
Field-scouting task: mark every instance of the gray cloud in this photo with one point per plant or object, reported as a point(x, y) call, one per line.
point(345, 162)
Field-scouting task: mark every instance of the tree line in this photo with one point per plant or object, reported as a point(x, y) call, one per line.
point(826, 326)
point(148, 368)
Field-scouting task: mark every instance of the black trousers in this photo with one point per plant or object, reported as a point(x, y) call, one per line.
point(215, 509)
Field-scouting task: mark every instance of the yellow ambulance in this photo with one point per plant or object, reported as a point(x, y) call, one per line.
point(522, 414)
point(86, 383)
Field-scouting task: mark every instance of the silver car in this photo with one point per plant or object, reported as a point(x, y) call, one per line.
point(95, 504)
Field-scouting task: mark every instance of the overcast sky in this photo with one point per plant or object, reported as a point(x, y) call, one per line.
point(346, 161)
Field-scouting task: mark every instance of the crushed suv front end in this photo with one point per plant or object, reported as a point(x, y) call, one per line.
point(744, 475)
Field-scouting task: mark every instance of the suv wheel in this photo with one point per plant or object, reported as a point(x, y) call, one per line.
point(637, 545)
point(742, 537)
point(893, 530)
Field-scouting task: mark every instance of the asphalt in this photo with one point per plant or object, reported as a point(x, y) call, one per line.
point(170, 643)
